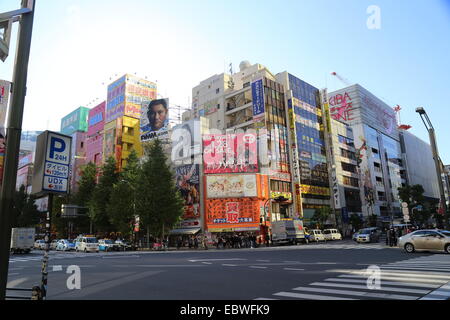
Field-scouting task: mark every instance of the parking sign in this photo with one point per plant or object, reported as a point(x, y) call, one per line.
point(52, 161)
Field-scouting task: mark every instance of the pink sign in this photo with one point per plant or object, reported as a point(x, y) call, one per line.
point(230, 153)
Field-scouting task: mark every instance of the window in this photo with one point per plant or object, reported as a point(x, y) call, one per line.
point(217, 90)
point(348, 167)
point(350, 181)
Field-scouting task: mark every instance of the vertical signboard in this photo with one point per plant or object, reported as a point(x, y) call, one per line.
point(52, 161)
point(115, 105)
point(258, 99)
point(4, 97)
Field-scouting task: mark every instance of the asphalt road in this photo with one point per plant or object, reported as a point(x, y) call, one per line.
point(328, 271)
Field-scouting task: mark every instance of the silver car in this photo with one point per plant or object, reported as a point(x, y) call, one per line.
point(427, 240)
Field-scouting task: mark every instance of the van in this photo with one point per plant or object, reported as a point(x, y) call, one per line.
point(316, 235)
point(86, 244)
point(332, 234)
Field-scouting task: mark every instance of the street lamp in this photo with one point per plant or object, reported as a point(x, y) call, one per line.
point(426, 121)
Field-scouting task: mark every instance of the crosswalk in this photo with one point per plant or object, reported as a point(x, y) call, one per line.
point(346, 246)
point(422, 278)
point(56, 256)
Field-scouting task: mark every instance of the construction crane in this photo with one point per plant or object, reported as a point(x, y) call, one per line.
point(342, 79)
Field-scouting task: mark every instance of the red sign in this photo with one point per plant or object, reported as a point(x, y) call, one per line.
point(230, 153)
point(232, 211)
point(342, 109)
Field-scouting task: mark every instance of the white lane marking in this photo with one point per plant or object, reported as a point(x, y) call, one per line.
point(231, 259)
point(357, 293)
point(400, 272)
point(16, 282)
point(207, 262)
point(257, 267)
point(293, 269)
point(229, 265)
point(119, 257)
point(13, 274)
point(439, 294)
point(57, 268)
point(394, 289)
point(264, 299)
point(163, 265)
point(326, 262)
point(388, 283)
point(308, 296)
point(396, 278)
point(263, 260)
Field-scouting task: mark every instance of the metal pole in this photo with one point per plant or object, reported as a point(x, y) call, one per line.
point(48, 240)
point(434, 150)
point(13, 133)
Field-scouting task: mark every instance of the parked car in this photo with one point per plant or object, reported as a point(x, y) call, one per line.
point(107, 245)
point(425, 240)
point(122, 245)
point(368, 235)
point(332, 234)
point(86, 244)
point(65, 245)
point(53, 244)
point(39, 244)
point(316, 235)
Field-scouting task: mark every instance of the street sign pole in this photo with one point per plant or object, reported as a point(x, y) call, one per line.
point(13, 133)
point(47, 247)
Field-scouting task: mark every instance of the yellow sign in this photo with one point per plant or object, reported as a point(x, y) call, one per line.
point(276, 194)
point(315, 190)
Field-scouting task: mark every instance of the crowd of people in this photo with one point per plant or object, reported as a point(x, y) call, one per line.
point(222, 241)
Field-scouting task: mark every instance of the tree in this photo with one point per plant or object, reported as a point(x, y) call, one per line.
point(101, 196)
point(25, 212)
point(87, 185)
point(321, 216)
point(356, 221)
point(158, 202)
point(121, 208)
point(413, 196)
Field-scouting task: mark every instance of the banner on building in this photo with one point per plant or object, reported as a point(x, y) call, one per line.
point(234, 213)
point(229, 186)
point(258, 99)
point(188, 184)
point(115, 103)
point(230, 153)
point(154, 119)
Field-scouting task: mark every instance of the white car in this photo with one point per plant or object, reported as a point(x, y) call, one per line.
point(316, 235)
point(39, 244)
point(87, 244)
point(332, 234)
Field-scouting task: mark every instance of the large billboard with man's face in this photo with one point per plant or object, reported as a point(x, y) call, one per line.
point(155, 119)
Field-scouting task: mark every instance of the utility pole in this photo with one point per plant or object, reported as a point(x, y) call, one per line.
point(13, 132)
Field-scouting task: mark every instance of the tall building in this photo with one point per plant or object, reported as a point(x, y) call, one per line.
point(308, 147)
point(419, 164)
point(75, 124)
point(94, 140)
point(377, 143)
point(123, 112)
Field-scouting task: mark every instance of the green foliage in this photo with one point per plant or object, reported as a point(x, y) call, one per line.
point(321, 216)
point(87, 185)
point(158, 202)
point(356, 221)
point(413, 195)
point(121, 208)
point(101, 196)
point(25, 213)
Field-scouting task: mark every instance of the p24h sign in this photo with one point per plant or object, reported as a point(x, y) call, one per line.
point(52, 161)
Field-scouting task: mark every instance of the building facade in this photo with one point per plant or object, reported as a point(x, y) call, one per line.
point(378, 151)
point(94, 139)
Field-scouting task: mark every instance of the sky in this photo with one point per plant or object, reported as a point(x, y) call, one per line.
point(80, 46)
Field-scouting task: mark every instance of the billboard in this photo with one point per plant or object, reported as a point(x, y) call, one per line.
point(232, 214)
point(115, 103)
point(96, 119)
point(137, 90)
point(154, 119)
point(231, 186)
point(4, 99)
point(75, 121)
point(230, 153)
point(188, 184)
point(258, 99)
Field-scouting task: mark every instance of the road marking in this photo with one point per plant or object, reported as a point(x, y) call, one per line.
point(207, 262)
point(119, 257)
point(264, 299)
point(439, 294)
point(293, 269)
point(395, 289)
point(57, 268)
point(263, 260)
point(257, 267)
point(392, 283)
point(229, 265)
point(418, 268)
point(16, 282)
point(357, 293)
point(309, 296)
point(400, 273)
point(13, 274)
point(397, 278)
point(166, 265)
point(230, 259)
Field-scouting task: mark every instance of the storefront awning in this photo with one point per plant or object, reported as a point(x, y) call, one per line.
point(185, 231)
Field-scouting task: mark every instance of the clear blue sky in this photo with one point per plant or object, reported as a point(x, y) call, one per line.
point(78, 45)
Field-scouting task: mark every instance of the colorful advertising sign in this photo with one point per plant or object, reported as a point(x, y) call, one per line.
point(75, 121)
point(96, 119)
point(155, 120)
point(229, 186)
point(230, 153)
point(188, 183)
point(137, 91)
point(115, 105)
point(315, 190)
point(258, 99)
point(4, 99)
point(25, 160)
point(235, 213)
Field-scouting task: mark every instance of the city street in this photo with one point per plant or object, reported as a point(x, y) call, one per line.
point(328, 271)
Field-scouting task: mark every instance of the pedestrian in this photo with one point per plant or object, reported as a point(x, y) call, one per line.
point(267, 240)
point(205, 243)
point(179, 243)
point(195, 243)
point(190, 242)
